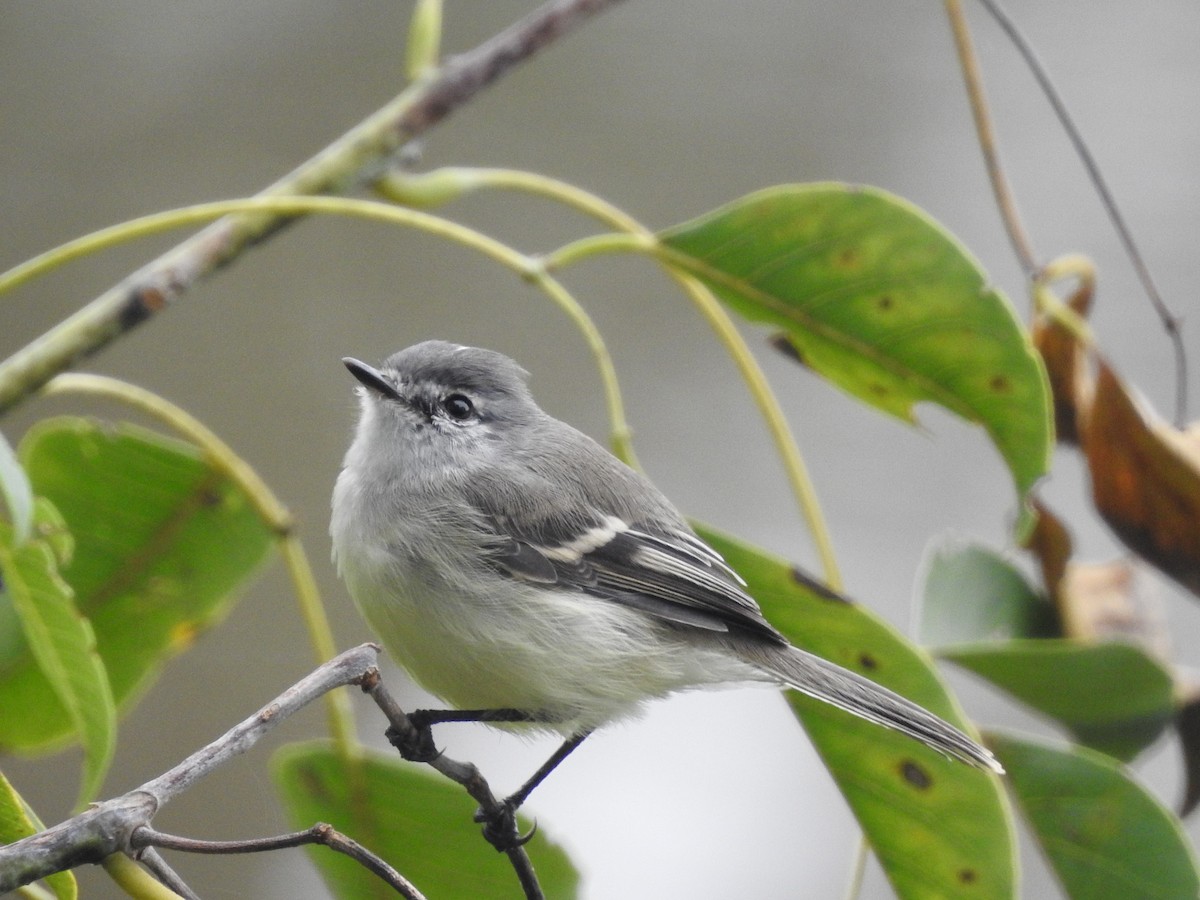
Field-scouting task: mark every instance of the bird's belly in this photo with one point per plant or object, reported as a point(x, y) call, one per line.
point(569, 659)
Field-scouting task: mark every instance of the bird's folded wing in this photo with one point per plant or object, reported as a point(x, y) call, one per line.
point(668, 573)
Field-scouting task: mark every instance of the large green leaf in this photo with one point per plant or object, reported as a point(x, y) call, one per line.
point(1105, 835)
point(939, 828)
point(1112, 696)
point(162, 541)
point(61, 645)
point(877, 297)
point(18, 821)
point(417, 821)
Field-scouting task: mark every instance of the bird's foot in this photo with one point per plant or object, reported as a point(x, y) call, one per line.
point(415, 743)
point(500, 826)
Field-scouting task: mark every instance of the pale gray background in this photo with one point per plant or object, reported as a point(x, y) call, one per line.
point(668, 109)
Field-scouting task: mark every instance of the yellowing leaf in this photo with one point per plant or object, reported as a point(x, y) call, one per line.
point(938, 827)
point(162, 542)
point(875, 296)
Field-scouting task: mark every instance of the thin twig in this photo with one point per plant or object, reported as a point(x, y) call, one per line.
point(321, 833)
point(357, 157)
point(461, 773)
point(1170, 321)
point(986, 134)
point(107, 827)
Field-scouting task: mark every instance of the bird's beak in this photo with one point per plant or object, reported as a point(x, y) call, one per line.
point(372, 378)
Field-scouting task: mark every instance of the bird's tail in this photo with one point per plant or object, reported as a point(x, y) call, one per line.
point(862, 697)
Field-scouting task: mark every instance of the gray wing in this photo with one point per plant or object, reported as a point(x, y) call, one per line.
point(666, 572)
point(572, 515)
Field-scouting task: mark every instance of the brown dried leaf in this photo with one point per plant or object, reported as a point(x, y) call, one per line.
point(1063, 358)
point(1145, 479)
point(1050, 543)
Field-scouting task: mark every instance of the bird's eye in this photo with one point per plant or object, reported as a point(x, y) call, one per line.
point(458, 407)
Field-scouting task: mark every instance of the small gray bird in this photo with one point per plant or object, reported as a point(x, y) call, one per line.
point(511, 564)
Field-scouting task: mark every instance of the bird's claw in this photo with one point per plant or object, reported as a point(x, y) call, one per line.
point(414, 744)
point(500, 827)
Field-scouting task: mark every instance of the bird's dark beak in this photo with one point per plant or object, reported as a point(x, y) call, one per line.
point(372, 378)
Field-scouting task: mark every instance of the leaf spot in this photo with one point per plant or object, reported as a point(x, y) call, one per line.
point(885, 302)
point(784, 345)
point(916, 775)
point(968, 876)
point(1000, 384)
point(868, 662)
point(313, 784)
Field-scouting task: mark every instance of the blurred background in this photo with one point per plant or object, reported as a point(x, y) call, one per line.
point(667, 109)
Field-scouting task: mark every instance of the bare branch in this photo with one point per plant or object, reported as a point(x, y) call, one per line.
point(462, 773)
point(108, 827)
point(321, 833)
point(358, 157)
point(350, 667)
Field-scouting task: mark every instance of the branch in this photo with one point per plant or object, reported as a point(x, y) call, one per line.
point(463, 773)
point(108, 827)
point(321, 833)
point(357, 157)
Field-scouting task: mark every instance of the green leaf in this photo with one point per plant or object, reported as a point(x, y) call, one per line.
point(1112, 696)
point(163, 540)
point(1104, 834)
point(62, 648)
point(14, 487)
point(939, 828)
point(417, 821)
point(877, 297)
point(974, 594)
point(18, 821)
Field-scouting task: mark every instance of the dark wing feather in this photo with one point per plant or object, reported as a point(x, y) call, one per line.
point(669, 574)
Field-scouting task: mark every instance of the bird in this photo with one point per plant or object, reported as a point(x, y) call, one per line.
point(521, 573)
